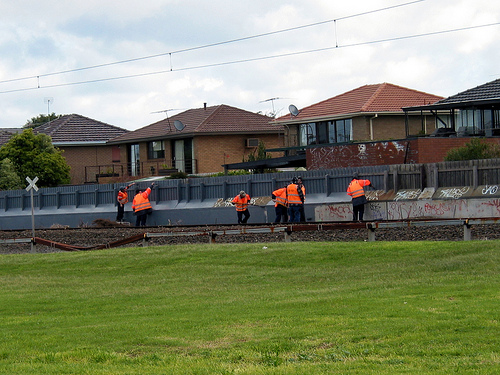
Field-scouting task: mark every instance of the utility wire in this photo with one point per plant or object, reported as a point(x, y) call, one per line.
point(210, 45)
point(258, 58)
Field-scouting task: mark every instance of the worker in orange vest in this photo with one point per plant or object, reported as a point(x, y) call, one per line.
point(241, 201)
point(142, 206)
point(357, 192)
point(280, 205)
point(122, 199)
point(295, 197)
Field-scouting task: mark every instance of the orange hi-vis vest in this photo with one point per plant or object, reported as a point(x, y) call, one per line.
point(355, 188)
point(292, 193)
point(122, 197)
point(241, 203)
point(280, 196)
point(141, 201)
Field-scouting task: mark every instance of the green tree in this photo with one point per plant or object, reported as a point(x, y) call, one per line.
point(40, 120)
point(35, 155)
point(9, 179)
point(473, 150)
point(260, 154)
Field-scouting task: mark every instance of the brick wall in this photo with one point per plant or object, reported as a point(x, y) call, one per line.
point(80, 157)
point(211, 152)
point(415, 151)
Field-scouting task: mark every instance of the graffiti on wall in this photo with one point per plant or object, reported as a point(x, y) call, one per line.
point(489, 190)
point(361, 154)
point(453, 193)
point(405, 195)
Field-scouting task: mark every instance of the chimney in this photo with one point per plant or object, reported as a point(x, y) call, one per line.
point(205, 106)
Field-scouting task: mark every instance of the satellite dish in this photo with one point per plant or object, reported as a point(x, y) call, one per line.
point(293, 110)
point(179, 125)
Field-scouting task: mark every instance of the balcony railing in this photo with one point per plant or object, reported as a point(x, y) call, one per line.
point(123, 171)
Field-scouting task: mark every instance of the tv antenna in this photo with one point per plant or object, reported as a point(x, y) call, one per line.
point(166, 113)
point(47, 101)
point(272, 103)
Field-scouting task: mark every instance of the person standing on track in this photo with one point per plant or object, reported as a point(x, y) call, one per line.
point(280, 205)
point(357, 192)
point(122, 199)
point(295, 197)
point(241, 201)
point(142, 206)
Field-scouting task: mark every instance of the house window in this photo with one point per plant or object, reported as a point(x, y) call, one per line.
point(337, 131)
point(308, 134)
point(115, 154)
point(156, 150)
point(340, 131)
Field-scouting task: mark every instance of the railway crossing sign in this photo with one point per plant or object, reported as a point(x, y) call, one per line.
point(32, 186)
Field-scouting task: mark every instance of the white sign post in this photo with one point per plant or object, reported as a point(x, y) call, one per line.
point(32, 186)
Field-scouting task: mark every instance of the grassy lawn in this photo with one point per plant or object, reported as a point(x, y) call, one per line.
point(278, 308)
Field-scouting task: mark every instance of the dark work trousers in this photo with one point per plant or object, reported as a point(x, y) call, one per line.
point(358, 208)
point(281, 214)
point(243, 216)
point(358, 212)
point(294, 213)
point(121, 212)
point(141, 218)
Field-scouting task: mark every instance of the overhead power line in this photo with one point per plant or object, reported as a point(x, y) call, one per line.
point(255, 59)
point(207, 45)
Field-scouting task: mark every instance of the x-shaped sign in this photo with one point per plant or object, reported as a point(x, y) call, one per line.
point(31, 184)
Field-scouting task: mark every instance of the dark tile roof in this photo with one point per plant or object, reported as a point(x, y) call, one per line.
point(220, 119)
point(487, 91)
point(79, 129)
point(6, 133)
point(383, 97)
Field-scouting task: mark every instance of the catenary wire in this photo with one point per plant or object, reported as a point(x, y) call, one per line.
point(210, 45)
point(253, 59)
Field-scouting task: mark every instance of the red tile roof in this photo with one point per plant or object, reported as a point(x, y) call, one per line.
point(383, 97)
point(221, 119)
point(79, 129)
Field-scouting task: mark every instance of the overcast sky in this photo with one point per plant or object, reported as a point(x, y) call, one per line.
point(72, 56)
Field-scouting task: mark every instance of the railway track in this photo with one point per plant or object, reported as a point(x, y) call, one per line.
point(94, 238)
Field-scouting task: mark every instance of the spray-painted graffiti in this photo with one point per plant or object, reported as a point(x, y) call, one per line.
point(418, 210)
point(454, 193)
point(407, 194)
point(490, 189)
point(337, 212)
point(495, 204)
point(376, 211)
point(228, 202)
point(361, 154)
point(374, 195)
point(437, 209)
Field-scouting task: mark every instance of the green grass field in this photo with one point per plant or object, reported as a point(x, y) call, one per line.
point(277, 308)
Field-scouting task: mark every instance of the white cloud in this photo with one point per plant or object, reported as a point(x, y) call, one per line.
point(51, 36)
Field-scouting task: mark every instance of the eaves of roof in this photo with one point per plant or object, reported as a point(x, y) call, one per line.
point(182, 135)
point(79, 143)
point(338, 117)
point(455, 105)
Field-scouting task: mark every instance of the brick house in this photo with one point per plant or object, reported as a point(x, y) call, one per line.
point(84, 145)
point(196, 141)
point(368, 113)
point(447, 123)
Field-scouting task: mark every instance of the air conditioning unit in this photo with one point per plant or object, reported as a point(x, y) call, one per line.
point(252, 142)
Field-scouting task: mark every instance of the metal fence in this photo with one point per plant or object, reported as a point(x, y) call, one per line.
point(322, 182)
